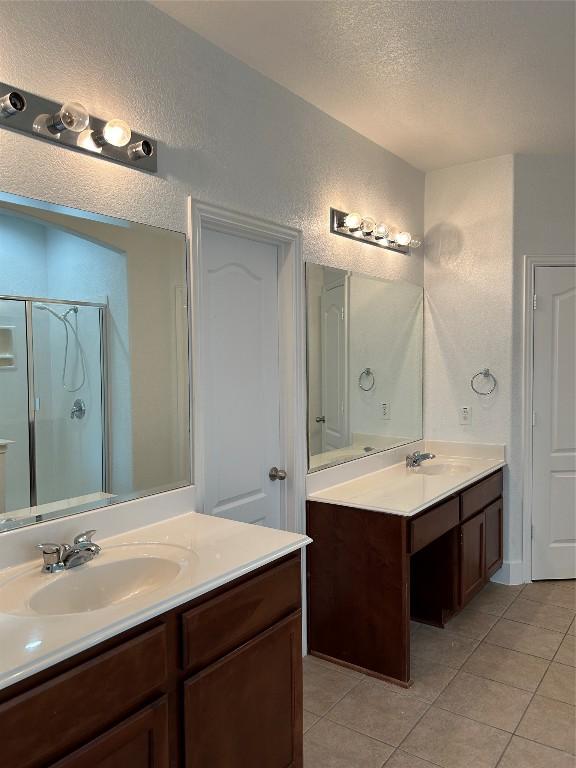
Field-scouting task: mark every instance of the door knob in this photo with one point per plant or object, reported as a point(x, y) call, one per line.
point(277, 474)
point(320, 419)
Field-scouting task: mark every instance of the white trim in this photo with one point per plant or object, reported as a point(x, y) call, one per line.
point(530, 264)
point(291, 331)
point(512, 572)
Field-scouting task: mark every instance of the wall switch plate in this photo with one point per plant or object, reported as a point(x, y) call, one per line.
point(385, 411)
point(465, 413)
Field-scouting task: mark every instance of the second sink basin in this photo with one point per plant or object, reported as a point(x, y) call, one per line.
point(102, 584)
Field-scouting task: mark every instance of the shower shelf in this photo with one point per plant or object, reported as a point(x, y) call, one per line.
point(7, 356)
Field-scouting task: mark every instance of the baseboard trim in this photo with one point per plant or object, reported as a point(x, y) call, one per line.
point(512, 572)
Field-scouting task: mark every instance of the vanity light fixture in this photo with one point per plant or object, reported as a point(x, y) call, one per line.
point(70, 124)
point(355, 226)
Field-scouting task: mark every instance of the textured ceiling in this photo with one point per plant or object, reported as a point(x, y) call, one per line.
point(437, 83)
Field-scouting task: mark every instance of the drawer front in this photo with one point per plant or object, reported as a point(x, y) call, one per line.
point(480, 495)
point(217, 626)
point(432, 524)
point(70, 709)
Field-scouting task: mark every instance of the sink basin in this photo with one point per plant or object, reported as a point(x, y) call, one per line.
point(90, 588)
point(120, 573)
point(442, 468)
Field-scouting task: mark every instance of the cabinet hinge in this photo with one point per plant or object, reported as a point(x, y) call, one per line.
point(534, 301)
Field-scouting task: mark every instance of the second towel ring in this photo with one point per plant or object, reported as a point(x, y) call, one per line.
point(371, 380)
point(485, 372)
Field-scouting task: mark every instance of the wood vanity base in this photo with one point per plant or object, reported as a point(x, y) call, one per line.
point(215, 683)
point(369, 573)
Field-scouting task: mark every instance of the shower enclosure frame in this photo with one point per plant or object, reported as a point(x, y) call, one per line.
point(29, 301)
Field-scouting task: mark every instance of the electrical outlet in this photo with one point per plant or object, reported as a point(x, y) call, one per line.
point(465, 415)
point(385, 411)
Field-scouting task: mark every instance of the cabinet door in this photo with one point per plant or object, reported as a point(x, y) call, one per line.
point(493, 523)
point(139, 742)
point(472, 558)
point(246, 709)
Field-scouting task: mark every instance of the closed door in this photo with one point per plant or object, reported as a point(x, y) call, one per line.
point(334, 366)
point(242, 401)
point(554, 430)
point(472, 557)
point(139, 742)
point(245, 711)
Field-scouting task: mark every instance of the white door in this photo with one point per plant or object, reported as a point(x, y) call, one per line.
point(554, 431)
point(334, 366)
point(242, 404)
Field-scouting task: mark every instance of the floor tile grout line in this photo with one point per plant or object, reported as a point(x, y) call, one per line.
point(480, 722)
point(533, 655)
point(491, 680)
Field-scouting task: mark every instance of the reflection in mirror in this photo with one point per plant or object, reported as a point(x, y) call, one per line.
point(94, 384)
point(364, 364)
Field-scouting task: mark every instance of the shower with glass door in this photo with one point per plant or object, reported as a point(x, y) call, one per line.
point(53, 397)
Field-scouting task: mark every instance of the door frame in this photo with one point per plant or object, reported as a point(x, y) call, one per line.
point(292, 366)
point(530, 265)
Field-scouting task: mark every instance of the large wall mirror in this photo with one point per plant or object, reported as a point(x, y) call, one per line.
point(94, 372)
point(365, 341)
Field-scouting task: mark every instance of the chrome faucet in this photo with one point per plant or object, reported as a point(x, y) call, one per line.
point(415, 459)
point(61, 557)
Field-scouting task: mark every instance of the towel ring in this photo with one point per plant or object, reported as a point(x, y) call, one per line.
point(485, 372)
point(371, 383)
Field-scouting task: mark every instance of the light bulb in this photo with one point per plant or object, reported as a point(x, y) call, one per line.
point(140, 149)
point(403, 238)
point(415, 243)
point(12, 103)
point(117, 132)
point(72, 116)
point(382, 231)
point(368, 225)
point(353, 221)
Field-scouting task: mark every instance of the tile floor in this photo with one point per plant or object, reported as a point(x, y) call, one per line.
point(497, 687)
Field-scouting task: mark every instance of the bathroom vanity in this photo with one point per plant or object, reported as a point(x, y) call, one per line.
point(396, 545)
point(211, 681)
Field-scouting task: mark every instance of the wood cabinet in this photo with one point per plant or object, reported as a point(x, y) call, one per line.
point(215, 683)
point(139, 742)
point(472, 561)
point(244, 710)
point(369, 573)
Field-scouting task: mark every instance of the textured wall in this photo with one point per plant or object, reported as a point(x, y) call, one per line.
point(227, 134)
point(469, 285)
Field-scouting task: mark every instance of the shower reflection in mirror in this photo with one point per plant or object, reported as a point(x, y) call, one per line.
point(94, 385)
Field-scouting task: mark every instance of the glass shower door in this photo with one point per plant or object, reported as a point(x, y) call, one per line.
point(69, 434)
point(14, 422)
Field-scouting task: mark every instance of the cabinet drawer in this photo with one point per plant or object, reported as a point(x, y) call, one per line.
point(480, 495)
point(433, 524)
point(72, 708)
point(139, 742)
point(217, 626)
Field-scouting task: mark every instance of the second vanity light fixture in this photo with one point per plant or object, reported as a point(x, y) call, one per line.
point(365, 229)
point(71, 125)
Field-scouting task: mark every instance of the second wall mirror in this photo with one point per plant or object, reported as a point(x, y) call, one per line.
point(365, 349)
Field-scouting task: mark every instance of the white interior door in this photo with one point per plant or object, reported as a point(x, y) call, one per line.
point(242, 403)
point(334, 366)
point(554, 431)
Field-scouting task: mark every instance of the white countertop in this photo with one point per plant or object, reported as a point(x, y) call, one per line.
point(401, 491)
point(214, 552)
